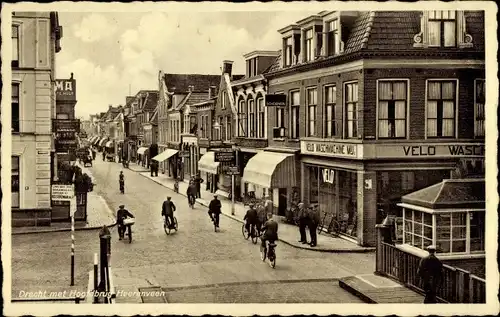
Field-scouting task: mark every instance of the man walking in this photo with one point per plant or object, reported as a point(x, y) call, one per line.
point(430, 271)
point(302, 223)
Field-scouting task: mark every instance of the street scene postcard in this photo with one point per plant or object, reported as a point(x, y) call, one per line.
point(241, 159)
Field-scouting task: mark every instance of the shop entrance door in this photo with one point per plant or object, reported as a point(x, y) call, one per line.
point(282, 202)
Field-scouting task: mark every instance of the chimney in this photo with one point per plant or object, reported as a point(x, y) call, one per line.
point(71, 76)
point(211, 92)
point(128, 99)
point(227, 67)
point(110, 106)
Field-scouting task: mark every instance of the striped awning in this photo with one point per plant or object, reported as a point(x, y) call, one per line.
point(168, 153)
point(103, 140)
point(109, 144)
point(208, 164)
point(141, 150)
point(271, 170)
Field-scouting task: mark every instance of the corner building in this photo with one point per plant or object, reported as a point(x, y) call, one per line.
point(382, 104)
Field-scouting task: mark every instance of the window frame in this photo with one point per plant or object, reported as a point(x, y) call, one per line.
point(228, 128)
point(333, 105)
point(311, 123)
point(442, 22)
point(288, 58)
point(346, 110)
point(294, 109)
point(308, 43)
point(251, 118)
point(14, 62)
point(242, 120)
point(455, 121)
point(18, 157)
point(407, 108)
point(333, 36)
point(223, 103)
point(476, 109)
point(261, 117)
point(19, 104)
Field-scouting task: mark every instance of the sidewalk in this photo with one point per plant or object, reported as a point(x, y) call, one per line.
point(375, 289)
point(136, 167)
point(98, 215)
point(288, 234)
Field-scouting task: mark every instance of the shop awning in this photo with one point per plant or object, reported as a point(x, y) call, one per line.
point(103, 140)
point(109, 144)
point(271, 170)
point(168, 153)
point(207, 163)
point(95, 140)
point(141, 150)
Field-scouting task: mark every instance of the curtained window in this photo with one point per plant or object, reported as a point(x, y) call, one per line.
point(351, 100)
point(295, 111)
point(442, 28)
point(392, 105)
point(309, 45)
point(330, 102)
point(441, 102)
point(479, 102)
point(312, 95)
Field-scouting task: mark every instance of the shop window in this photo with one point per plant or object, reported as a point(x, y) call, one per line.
point(441, 103)
point(15, 182)
point(280, 119)
point(479, 102)
point(311, 111)
point(408, 181)
point(15, 108)
point(330, 102)
point(314, 187)
point(295, 117)
point(351, 105)
point(15, 46)
point(392, 105)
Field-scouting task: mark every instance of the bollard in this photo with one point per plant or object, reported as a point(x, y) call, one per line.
point(105, 243)
point(96, 277)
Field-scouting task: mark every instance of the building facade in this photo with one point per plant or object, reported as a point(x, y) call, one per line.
point(36, 40)
point(379, 108)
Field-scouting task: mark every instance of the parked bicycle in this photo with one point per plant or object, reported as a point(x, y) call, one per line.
point(269, 252)
point(168, 227)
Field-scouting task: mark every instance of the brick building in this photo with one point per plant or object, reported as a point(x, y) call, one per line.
point(380, 104)
point(250, 132)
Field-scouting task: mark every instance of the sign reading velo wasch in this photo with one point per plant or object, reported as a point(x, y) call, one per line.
point(329, 148)
point(276, 100)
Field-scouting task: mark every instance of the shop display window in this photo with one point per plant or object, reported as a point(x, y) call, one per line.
point(454, 232)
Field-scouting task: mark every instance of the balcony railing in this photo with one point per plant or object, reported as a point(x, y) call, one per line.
point(458, 286)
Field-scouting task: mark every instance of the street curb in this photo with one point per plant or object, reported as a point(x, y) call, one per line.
point(355, 292)
point(64, 229)
point(284, 241)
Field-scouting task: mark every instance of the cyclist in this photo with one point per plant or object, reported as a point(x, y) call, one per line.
point(214, 208)
point(121, 215)
point(250, 218)
point(191, 193)
point(167, 211)
point(122, 182)
point(270, 229)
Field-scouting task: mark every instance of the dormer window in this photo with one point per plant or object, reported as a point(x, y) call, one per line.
point(288, 51)
point(333, 39)
point(443, 29)
point(309, 46)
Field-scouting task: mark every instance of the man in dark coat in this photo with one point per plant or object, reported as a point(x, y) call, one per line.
point(430, 271)
point(191, 193)
point(214, 210)
point(121, 215)
point(302, 223)
point(167, 210)
point(313, 221)
point(198, 180)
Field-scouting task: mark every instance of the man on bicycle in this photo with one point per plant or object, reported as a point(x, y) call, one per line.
point(250, 218)
point(270, 229)
point(167, 211)
point(214, 208)
point(122, 182)
point(191, 193)
point(121, 215)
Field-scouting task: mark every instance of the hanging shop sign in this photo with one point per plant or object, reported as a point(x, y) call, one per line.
point(225, 155)
point(230, 170)
point(275, 100)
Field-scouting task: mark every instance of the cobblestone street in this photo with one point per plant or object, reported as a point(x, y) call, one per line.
point(195, 255)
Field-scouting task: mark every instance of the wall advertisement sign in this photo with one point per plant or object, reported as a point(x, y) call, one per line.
point(63, 192)
point(65, 90)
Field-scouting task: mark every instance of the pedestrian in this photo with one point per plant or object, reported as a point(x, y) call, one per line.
point(198, 181)
point(430, 271)
point(103, 155)
point(313, 222)
point(302, 215)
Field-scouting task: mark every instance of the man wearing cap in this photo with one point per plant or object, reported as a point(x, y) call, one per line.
point(430, 271)
point(302, 215)
point(214, 208)
point(121, 215)
point(167, 210)
point(250, 217)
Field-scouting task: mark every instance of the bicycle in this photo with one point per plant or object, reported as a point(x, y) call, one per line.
point(191, 201)
point(254, 232)
point(168, 228)
point(127, 223)
point(269, 253)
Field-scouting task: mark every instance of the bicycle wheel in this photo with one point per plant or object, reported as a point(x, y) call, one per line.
point(254, 234)
point(262, 253)
point(245, 233)
point(335, 227)
point(176, 224)
point(165, 228)
point(272, 259)
point(129, 234)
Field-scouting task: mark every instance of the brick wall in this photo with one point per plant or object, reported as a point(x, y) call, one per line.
point(338, 80)
point(418, 79)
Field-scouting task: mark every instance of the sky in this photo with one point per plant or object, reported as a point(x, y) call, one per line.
point(112, 53)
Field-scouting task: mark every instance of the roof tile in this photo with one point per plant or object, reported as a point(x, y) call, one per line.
point(181, 82)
